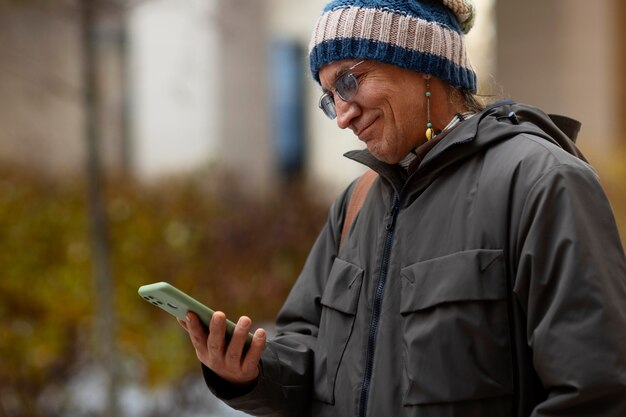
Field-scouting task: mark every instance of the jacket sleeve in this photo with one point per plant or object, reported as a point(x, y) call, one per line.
point(571, 282)
point(285, 383)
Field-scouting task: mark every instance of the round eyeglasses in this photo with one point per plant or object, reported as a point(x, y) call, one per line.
point(346, 86)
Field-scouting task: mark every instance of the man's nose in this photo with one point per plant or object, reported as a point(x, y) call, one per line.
point(346, 112)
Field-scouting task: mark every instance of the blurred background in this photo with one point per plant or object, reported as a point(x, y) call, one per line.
point(180, 140)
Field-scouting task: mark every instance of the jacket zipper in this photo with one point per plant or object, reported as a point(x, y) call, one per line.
point(378, 300)
point(380, 290)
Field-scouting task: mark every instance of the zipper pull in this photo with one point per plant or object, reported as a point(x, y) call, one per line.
point(394, 211)
point(396, 205)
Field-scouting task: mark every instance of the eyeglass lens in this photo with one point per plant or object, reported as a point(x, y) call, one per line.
point(346, 88)
point(327, 104)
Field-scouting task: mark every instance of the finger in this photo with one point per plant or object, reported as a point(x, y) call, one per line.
point(217, 333)
point(183, 324)
point(197, 322)
point(253, 356)
point(235, 346)
point(197, 333)
point(196, 329)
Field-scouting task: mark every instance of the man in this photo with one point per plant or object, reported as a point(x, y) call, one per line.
point(483, 275)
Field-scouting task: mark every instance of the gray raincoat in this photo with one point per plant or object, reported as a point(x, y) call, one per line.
point(491, 282)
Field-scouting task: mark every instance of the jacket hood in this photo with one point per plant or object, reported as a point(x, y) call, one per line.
point(514, 119)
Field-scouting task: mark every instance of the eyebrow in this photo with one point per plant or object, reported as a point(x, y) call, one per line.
point(338, 73)
point(341, 71)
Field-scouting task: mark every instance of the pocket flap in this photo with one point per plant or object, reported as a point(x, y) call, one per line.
point(343, 287)
point(462, 276)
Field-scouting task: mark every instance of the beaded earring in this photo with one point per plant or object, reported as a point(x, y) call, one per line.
point(429, 125)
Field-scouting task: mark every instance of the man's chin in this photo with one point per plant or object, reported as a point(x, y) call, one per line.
point(381, 156)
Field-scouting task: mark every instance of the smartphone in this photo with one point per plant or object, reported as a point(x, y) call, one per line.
point(178, 304)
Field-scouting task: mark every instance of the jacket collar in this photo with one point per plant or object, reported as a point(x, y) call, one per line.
point(464, 133)
point(502, 120)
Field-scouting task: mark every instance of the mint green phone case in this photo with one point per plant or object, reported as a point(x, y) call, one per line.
point(177, 303)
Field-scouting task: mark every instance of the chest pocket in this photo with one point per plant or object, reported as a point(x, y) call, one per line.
point(456, 332)
point(339, 306)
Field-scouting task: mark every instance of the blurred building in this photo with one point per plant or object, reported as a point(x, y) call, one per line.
point(42, 113)
point(174, 72)
point(184, 83)
point(568, 58)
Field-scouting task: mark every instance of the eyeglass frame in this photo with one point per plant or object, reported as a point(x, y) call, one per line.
point(327, 100)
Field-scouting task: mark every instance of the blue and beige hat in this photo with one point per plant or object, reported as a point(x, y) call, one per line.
point(426, 36)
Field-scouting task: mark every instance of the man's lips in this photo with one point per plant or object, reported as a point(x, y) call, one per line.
point(360, 131)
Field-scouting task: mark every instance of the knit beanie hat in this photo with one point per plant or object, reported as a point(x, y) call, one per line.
point(426, 36)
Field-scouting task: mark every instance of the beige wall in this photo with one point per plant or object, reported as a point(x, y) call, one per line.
point(245, 137)
point(41, 113)
point(562, 56)
point(40, 89)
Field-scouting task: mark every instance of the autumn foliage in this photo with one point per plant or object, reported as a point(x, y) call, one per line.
point(235, 253)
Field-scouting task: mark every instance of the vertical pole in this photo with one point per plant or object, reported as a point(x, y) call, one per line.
point(117, 34)
point(126, 146)
point(619, 20)
point(103, 282)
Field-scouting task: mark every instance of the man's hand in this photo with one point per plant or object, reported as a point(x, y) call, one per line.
point(226, 360)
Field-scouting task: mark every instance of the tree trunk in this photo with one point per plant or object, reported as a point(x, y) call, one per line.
point(103, 281)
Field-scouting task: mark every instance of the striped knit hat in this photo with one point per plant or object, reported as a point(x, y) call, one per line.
point(421, 35)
